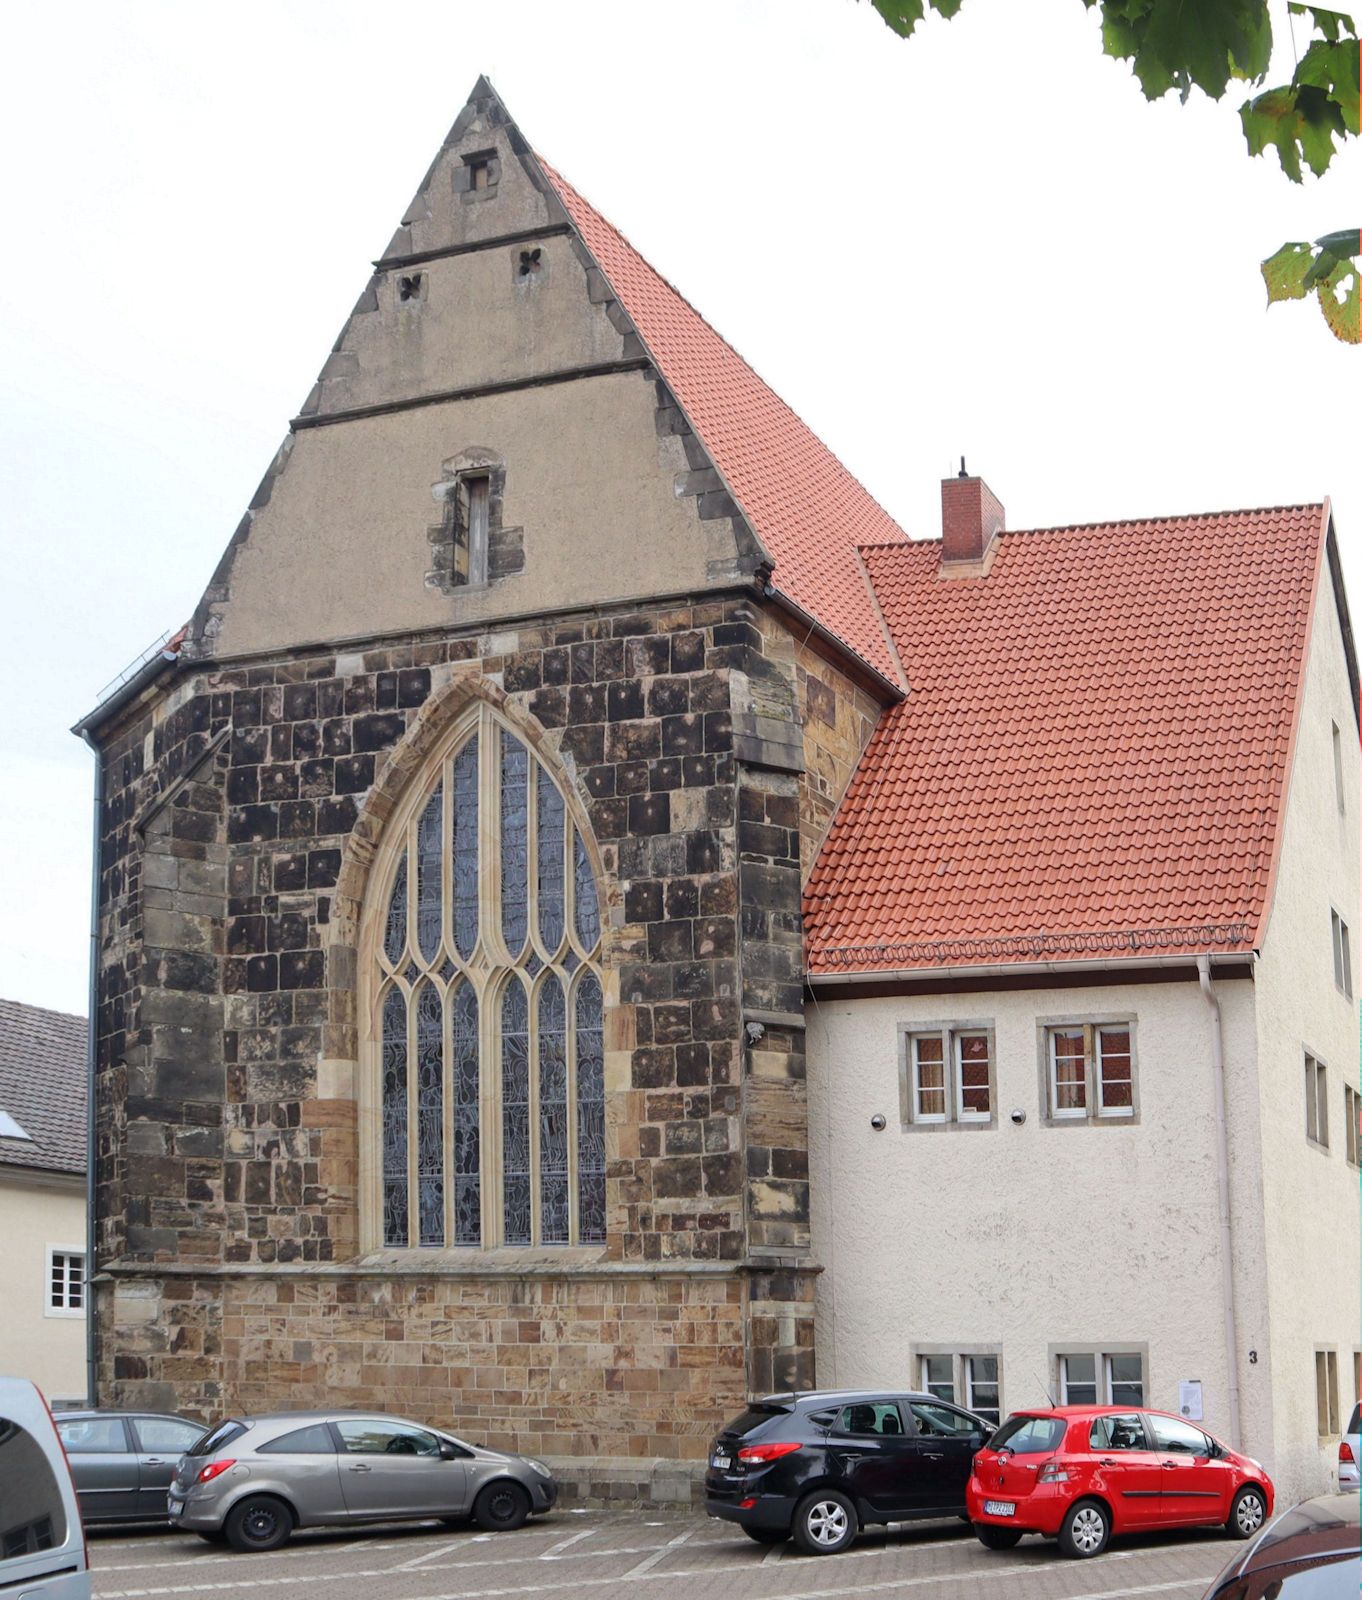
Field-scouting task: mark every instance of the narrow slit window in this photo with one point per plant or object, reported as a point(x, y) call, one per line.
point(1338, 769)
point(470, 532)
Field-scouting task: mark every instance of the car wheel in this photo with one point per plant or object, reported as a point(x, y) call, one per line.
point(259, 1522)
point(1248, 1510)
point(995, 1538)
point(501, 1506)
point(824, 1523)
point(767, 1535)
point(1085, 1530)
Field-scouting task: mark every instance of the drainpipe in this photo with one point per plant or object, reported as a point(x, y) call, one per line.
point(91, 1060)
point(1222, 1152)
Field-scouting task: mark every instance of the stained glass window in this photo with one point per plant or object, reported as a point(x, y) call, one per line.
point(395, 1118)
point(491, 1077)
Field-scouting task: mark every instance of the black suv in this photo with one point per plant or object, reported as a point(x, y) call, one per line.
point(816, 1467)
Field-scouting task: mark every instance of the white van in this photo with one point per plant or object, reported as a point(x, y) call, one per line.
point(42, 1544)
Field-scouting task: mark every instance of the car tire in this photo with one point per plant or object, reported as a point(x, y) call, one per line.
point(1085, 1529)
point(767, 1535)
point(502, 1507)
point(1248, 1512)
point(824, 1523)
point(995, 1538)
point(259, 1522)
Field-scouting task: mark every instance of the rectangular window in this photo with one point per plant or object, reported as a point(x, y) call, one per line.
point(65, 1283)
point(1338, 769)
point(1357, 1377)
point(1101, 1378)
point(969, 1379)
point(470, 533)
point(1352, 1136)
point(1090, 1071)
point(950, 1076)
point(1326, 1391)
point(1316, 1102)
point(1343, 955)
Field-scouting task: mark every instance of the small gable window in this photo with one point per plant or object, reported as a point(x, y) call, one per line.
point(479, 175)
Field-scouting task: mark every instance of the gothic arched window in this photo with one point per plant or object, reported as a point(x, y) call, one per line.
point(486, 1008)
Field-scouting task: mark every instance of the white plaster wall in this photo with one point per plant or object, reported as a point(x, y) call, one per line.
point(1027, 1238)
point(1311, 1195)
point(49, 1350)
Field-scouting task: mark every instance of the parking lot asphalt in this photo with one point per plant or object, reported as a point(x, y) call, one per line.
point(645, 1557)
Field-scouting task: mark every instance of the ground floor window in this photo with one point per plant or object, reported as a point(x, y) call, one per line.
point(1326, 1391)
point(1101, 1378)
point(967, 1379)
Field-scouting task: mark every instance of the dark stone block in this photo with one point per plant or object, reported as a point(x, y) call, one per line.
point(609, 818)
point(718, 730)
point(669, 941)
point(650, 1142)
point(290, 871)
point(385, 691)
point(298, 819)
point(624, 700)
point(688, 652)
point(302, 969)
point(278, 783)
point(306, 740)
point(716, 936)
point(723, 1174)
point(378, 730)
point(523, 672)
point(336, 737)
point(549, 705)
point(245, 708)
point(790, 1164)
point(252, 822)
point(323, 867)
point(262, 973)
point(683, 735)
point(652, 1068)
point(682, 1138)
point(649, 657)
point(759, 839)
point(714, 1019)
point(583, 665)
point(587, 703)
point(600, 782)
point(702, 851)
point(679, 1177)
point(246, 936)
point(671, 1024)
point(697, 772)
point(642, 983)
point(413, 686)
point(692, 1063)
point(610, 659)
point(643, 902)
point(287, 932)
point(683, 898)
point(649, 814)
point(664, 774)
point(586, 745)
point(316, 777)
point(557, 665)
point(300, 702)
point(353, 774)
point(243, 786)
point(336, 816)
point(668, 697)
point(330, 697)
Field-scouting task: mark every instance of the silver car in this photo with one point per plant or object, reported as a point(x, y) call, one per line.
point(252, 1480)
point(1350, 1452)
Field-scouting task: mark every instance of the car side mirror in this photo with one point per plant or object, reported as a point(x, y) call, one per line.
point(448, 1452)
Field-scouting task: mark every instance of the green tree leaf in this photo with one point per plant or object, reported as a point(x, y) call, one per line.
point(1329, 23)
point(1332, 267)
point(1342, 313)
point(904, 15)
point(1284, 273)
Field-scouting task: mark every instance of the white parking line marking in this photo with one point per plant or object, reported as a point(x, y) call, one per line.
point(649, 1562)
point(645, 1569)
point(429, 1555)
point(551, 1554)
point(773, 1555)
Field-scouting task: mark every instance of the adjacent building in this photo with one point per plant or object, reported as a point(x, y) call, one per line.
point(453, 981)
point(42, 1198)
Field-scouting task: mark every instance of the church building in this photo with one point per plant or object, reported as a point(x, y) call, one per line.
point(576, 818)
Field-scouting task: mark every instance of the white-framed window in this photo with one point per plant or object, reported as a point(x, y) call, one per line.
point(1352, 1135)
point(1343, 955)
point(970, 1379)
point(950, 1076)
point(1090, 1071)
point(1101, 1378)
point(1326, 1392)
point(1338, 770)
point(1316, 1101)
point(65, 1281)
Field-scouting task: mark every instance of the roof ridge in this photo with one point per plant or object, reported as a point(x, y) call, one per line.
point(727, 343)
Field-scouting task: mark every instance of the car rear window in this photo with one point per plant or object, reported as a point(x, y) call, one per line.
point(315, 1440)
point(215, 1439)
point(35, 1517)
point(1029, 1436)
point(754, 1417)
point(1357, 1418)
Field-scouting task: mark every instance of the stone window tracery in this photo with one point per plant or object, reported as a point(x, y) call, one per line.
point(486, 1008)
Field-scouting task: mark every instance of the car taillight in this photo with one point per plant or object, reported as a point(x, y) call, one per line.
point(758, 1454)
point(214, 1469)
point(1052, 1472)
point(1345, 1451)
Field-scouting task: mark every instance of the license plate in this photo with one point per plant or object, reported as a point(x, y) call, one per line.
point(722, 1462)
point(174, 1507)
point(1000, 1508)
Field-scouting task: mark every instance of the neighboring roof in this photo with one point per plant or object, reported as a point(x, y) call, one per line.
point(1093, 754)
point(807, 510)
point(42, 1087)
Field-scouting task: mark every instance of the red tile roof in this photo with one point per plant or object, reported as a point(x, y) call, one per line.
point(1092, 756)
point(800, 501)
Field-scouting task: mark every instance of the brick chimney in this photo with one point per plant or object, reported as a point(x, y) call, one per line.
point(971, 520)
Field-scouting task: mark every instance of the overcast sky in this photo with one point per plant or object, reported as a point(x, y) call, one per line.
point(982, 241)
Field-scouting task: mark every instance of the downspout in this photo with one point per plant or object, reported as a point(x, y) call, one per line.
point(1222, 1152)
point(91, 1061)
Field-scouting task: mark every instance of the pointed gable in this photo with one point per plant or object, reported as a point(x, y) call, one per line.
point(1092, 760)
point(809, 512)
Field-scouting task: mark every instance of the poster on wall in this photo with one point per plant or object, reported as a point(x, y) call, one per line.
point(1189, 1399)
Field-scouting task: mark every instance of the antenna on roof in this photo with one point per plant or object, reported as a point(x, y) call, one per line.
point(962, 472)
point(1045, 1390)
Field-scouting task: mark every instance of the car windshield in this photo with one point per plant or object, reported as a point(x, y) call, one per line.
point(1029, 1435)
point(216, 1438)
point(753, 1417)
point(1357, 1418)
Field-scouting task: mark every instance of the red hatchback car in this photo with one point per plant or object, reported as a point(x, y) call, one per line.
point(1083, 1473)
